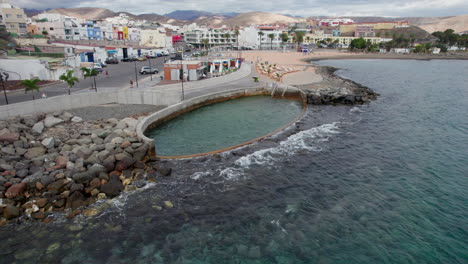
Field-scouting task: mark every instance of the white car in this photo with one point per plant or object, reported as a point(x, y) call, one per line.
point(148, 69)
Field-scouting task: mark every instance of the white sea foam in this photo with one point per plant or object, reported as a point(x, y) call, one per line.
point(303, 140)
point(200, 174)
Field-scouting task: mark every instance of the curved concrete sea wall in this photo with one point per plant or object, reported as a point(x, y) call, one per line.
point(173, 111)
point(77, 100)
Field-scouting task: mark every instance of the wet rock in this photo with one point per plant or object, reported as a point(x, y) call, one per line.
point(38, 128)
point(168, 204)
point(21, 166)
point(15, 190)
point(22, 173)
point(124, 164)
point(48, 142)
point(41, 202)
point(89, 212)
point(165, 171)
point(38, 215)
point(57, 186)
point(83, 177)
point(73, 214)
point(77, 119)
point(51, 121)
point(76, 187)
point(35, 152)
point(113, 187)
point(139, 184)
point(11, 211)
point(109, 163)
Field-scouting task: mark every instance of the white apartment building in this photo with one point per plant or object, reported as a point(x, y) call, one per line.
point(263, 39)
point(215, 37)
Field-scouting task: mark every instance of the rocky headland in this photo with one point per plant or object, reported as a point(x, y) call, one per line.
point(60, 163)
point(334, 90)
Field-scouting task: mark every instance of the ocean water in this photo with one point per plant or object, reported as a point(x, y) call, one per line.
point(222, 125)
point(385, 182)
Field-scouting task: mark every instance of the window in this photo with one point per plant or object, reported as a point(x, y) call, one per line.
point(22, 25)
point(7, 15)
point(12, 26)
point(19, 16)
point(51, 29)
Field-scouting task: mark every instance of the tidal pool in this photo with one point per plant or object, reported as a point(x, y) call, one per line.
point(223, 125)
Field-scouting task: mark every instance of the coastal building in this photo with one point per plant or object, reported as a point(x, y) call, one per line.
point(351, 28)
point(364, 31)
point(153, 37)
point(190, 70)
point(342, 41)
point(334, 22)
point(265, 41)
point(214, 37)
point(13, 19)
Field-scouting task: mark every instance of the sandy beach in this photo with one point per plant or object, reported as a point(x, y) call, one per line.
point(303, 72)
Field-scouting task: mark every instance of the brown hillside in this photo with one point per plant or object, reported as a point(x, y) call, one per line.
point(257, 18)
point(84, 12)
point(457, 23)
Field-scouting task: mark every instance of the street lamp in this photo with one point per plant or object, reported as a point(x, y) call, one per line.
point(136, 74)
point(151, 70)
point(3, 84)
point(182, 68)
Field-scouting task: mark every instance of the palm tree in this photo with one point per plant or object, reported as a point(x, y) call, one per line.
point(90, 73)
point(31, 85)
point(271, 37)
point(237, 33)
point(206, 42)
point(299, 37)
point(69, 79)
point(261, 34)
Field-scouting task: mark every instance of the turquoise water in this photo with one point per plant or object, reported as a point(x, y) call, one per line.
point(380, 183)
point(223, 125)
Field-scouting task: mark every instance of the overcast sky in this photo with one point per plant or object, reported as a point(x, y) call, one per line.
point(293, 7)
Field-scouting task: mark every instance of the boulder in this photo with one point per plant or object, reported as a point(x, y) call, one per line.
point(124, 164)
point(48, 142)
point(30, 120)
point(57, 186)
point(130, 122)
point(113, 187)
point(35, 152)
point(66, 116)
point(9, 151)
point(11, 211)
point(109, 163)
point(38, 128)
point(61, 162)
point(51, 121)
point(77, 119)
point(15, 190)
point(7, 136)
point(165, 171)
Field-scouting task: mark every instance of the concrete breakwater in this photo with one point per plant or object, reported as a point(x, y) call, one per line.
point(334, 90)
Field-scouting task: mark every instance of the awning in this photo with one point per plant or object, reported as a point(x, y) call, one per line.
point(111, 51)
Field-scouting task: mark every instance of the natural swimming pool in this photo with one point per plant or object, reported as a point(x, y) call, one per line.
point(223, 125)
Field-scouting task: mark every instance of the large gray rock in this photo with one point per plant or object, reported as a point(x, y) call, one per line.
point(77, 119)
point(113, 187)
point(130, 122)
point(30, 120)
point(35, 152)
point(9, 151)
point(48, 142)
point(38, 128)
point(51, 121)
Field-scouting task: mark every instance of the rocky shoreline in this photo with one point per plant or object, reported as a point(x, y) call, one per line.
point(334, 90)
point(60, 163)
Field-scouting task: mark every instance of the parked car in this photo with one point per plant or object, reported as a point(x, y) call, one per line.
point(103, 64)
point(112, 61)
point(141, 58)
point(128, 59)
point(97, 66)
point(148, 69)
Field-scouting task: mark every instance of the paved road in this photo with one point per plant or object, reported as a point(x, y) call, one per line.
point(119, 77)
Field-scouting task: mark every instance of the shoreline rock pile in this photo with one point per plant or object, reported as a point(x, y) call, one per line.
point(334, 90)
point(56, 163)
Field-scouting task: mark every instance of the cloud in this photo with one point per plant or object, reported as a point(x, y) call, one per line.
point(294, 7)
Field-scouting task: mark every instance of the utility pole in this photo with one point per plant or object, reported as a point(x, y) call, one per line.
point(136, 74)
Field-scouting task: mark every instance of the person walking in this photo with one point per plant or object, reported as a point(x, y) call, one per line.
point(107, 74)
point(131, 83)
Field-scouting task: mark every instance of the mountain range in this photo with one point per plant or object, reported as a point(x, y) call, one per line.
point(181, 17)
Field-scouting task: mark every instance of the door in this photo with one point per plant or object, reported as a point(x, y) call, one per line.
point(125, 53)
point(139, 53)
point(90, 56)
point(175, 74)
